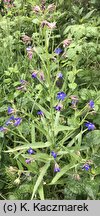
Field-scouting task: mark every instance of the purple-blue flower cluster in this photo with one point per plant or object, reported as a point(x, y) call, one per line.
point(30, 151)
point(61, 95)
point(58, 107)
point(86, 167)
point(34, 75)
point(58, 51)
point(10, 110)
point(54, 154)
point(17, 121)
point(40, 113)
point(11, 121)
point(3, 129)
point(14, 121)
point(28, 161)
point(90, 126)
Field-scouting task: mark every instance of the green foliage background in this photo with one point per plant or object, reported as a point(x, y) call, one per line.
point(62, 132)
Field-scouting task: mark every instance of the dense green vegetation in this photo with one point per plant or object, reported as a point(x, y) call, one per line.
point(49, 99)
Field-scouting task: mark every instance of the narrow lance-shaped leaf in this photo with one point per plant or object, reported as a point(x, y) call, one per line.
point(41, 191)
point(40, 178)
point(33, 132)
point(25, 147)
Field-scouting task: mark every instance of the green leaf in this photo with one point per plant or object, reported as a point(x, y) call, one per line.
point(16, 93)
point(19, 165)
point(40, 178)
point(90, 191)
point(77, 137)
point(40, 128)
point(62, 128)
point(92, 138)
point(56, 120)
point(88, 15)
point(26, 146)
point(1, 134)
point(32, 132)
point(7, 80)
point(36, 21)
point(41, 191)
point(72, 85)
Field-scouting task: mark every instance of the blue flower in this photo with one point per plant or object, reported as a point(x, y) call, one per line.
point(90, 126)
point(28, 161)
point(10, 120)
point(17, 121)
point(14, 121)
point(58, 107)
point(91, 104)
point(10, 110)
point(39, 112)
point(34, 75)
point(54, 154)
point(86, 167)
point(3, 129)
point(61, 95)
point(30, 151)
point(60, 75)
point(56, 168)
point(58, 51)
